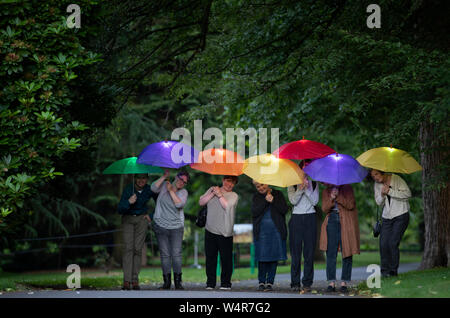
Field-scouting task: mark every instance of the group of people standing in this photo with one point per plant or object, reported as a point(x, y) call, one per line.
point(339, 230)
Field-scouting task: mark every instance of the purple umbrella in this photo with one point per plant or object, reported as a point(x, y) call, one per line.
point(336, 169)
point(168, 154)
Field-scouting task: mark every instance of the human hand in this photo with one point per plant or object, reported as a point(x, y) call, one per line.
point(303, 185)
point(334, 193)
point(132, 199)
point(217, 192)
point(269, 196)
point(147, 217)
point(385, 189)
point(166, 173)
point(169, 186)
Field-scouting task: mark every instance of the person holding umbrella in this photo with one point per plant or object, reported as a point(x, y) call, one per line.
point(392, 193)
point(221, 203)
point(269, 210)
point(303, 230)
point(340, 230)
point(132, 207)
point(168, 224)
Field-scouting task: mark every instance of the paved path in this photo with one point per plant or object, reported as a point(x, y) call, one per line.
point(242, 289)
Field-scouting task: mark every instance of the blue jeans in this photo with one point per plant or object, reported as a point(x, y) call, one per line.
point(170, 243)
point(334, 241)
point(267, 271)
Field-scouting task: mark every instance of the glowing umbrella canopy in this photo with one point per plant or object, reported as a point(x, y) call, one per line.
point(389, 159)
point(168, 154)
point(220, 162)
point(303, 149)
point(130, 166)
point(268, 169)
point(336, 169)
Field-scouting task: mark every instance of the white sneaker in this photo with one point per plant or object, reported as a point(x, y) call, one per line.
point(209, 288)
point(225, 288)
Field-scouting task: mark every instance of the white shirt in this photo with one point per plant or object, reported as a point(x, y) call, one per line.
point(304, 200)
point(399, 193)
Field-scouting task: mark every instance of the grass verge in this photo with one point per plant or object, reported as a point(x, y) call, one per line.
point(430, 283)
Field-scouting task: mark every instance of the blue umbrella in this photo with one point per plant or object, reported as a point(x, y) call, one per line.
point(336, 169)
point(168, 154)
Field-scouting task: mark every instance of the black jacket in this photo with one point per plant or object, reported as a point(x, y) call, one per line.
point(278, 210)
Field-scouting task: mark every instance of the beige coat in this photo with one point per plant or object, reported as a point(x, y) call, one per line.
point(348, 216)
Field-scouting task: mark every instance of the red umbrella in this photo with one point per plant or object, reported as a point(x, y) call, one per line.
point(303, 149)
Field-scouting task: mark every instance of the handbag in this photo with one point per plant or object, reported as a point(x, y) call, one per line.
point(201, 216)
point(377, 225)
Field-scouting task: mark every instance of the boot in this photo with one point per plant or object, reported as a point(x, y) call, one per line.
point(167, 281)
point(177, 281)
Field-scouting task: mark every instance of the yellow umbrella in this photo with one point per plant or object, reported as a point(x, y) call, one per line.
point(268, 169)
point(389, 159)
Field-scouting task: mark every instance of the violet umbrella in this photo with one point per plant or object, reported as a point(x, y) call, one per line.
point(336, 169)
point(168, 154)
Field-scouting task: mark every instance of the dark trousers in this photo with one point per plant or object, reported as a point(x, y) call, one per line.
point(334, 241)
point(267, 271)
point(302, 238)
point(390, 236)
point(215, 244)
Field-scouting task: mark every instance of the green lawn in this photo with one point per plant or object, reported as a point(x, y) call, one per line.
point(98, 279)
point(431, 283)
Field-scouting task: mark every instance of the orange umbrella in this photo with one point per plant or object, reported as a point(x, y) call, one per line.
point(219, 161)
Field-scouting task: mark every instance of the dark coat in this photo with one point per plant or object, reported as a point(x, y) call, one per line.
point(278, 210)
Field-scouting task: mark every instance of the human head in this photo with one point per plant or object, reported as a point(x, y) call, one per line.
point(140, 180)
point(181, 179)
point(228, 182)
point(260, 187)
point(329, 185)
point(377, 175)
point(304, 163)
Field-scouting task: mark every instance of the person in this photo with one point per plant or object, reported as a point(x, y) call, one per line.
point(221, 203)
point(392, 193)
point(132, 207)
point(340, 230)
point(303, 231)
point(269, 210)
point(168, 225)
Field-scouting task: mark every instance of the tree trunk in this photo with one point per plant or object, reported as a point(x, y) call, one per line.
point(435, 195)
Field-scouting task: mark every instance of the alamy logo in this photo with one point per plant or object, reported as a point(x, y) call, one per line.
point(373, 20)
point(73, 20)
point(374, 279)
point(74, 279)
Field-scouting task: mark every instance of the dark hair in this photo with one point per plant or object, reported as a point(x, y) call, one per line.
point(369, 174)
point(232, 178)
point(371, 169)
point(303, 162)
point(184, 173)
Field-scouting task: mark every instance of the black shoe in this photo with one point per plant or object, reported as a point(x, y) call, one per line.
point(261, 287)
point(177, 281)
point(331, 289)
point(268, 287)
point(167, 281)
point(344, 289)
point(126, 286)
point(136, 286)
point(393, 273)
point(296, 287)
